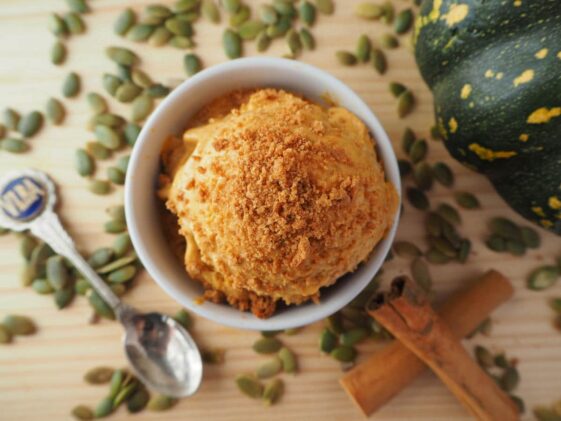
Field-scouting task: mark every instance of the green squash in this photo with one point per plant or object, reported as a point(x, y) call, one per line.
point(494, 67)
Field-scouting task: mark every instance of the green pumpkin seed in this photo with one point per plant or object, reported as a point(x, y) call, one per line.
point(124, 394)
point(192, 64)
point(116, 212)
point(28, 273)
point(443, 174)
point(444, 246)
point(71, 85)
point(288, 360)
point(107, 137)
point(140, 32)
point(101, 308)
point(463, 252)
point(520, 406)
point(11, 119)
point(124, 274)
point(116, 176)
point(131, 133)
point(63, 297)
point(264, 41)
point(250, 29)
point(270, 333)
point(267, 345)
point(417, 198)
point(434, 224)
point(543, 277)
point(325, 6)
point(363, 48)
point(96, 103)
point(57, 272)
point(127, 92)
point(57, 26)
point(516, 248)
point(355, 316)
point(100, 187)
point(280, 28)
point(78, 6)
point(26, 247)
point(285, 8)
point(449, 213)
point(82, 413)
point(231, 6)
point(30, 124)
point(407, 140)
point(269, 368)
point(268, 14)
point(484, 357)
point(159, 37)
point(293, 42)
point(181, 42)
point(104, 408)
point(210, 11)
point(122, 244)
point(353, 336)
point(82, 286)
point(327, 341)
point(436, 257)
point(467, 200)
point(436, 132)
point(501, 361)
point(397, 89)
point(160, 403)
point(369, 11)
point(345, 58)
point(124, 72)
point(111, 83)
point(406, 249)
point(403, 21)
point(40, 254)
point(58, 53)
point(184, 319)
point(232, 44)
point(389, 41)
point(335, 323)
point(124, 22)
point(118, 289)
point(158, 10)
point(509, 379)
point(422, 175)
point(116, 383)
point(307, 12)
point(42, 286)
point(19, 325)
point(84, 163)
point(5, 335)
point(117, 264)
point(405, 104)
point(183, 6)
point(109, 120)
point(55, 111)
point(388, 12)
point(179, 27)
point(344, 353)
point(138, 400)
point(100, 257)
point(530, 237)
point(74, 23)
point(307, 39)
point(496, 243)
point(142, 106)
point(421, 275)
point(505, 228)
point(249, 386)
point(123, 163)
point(378, 59)
point(241, 16)
point(273, 391)
point(115, 227)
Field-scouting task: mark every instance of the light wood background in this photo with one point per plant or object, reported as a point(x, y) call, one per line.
point(41, 376)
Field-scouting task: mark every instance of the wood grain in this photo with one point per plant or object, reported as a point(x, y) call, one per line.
point(41, 376)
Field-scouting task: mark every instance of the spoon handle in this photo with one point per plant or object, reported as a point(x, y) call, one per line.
point(50, 230)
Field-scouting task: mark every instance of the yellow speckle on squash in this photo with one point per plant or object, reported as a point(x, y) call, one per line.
point(554, 203)
point(540, 55)
point(543, 115)
point(487, 154)
point(456, 14)
point(453, 125)
point(538, 211)
point(546, 224)
point(466, 91)
point(471, 104)
point(525, 77)
point(499, 76)
point(517, 3)
point(559, 55)
point(489, 74)
point(523, 137)
point(423, 21)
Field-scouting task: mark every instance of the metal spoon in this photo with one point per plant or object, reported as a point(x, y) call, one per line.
point(161, 352)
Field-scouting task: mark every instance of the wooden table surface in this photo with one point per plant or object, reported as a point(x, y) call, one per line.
point(41, 375)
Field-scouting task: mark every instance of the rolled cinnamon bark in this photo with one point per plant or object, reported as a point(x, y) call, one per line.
point(377, 380)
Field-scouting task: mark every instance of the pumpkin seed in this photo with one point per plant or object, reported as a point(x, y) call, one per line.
point(267, 345)
point(530, 237)
point(232, 44)
point(505, 228)
point(114, 226)
point(543, 413)
point(307, 39)
point(74, 23)
point(108, 137)
point(264, 41)
point(449, 213)
point(82, 286)
point(270, 333)
point(104, 408)
point(111, 83)
point(124, 22)
point(28, 273)
point(40, 254)
point(345, 58)
point(159, 37)
point(96, 103)
point(389, 41)
point(71, 85)
point(127, 92)
point(344, 353)
point(179, 27)
point(484, 357)
point(181, 42)
point(280, 28)
point(57, 272)
point(138, 400)
point(417, 198)
point(353, 336)
point(78, 6)
point(335, 323)
point(467, 200)
point(184, 319)
point(42, 286)
point(436, 133)
point(26, 247)
point(140, 32)
point(117, 264)
point(250, 29)
point(124, 274)
point(268, 14)
point(249, 386)
point(405, 104)
point(496, 243)
point(543, 277)
point(131, 133)
point(109, 120)
point(325, 6)
point(422, 174)
point(55, 111)
point(124, 394)
point(83, 413)
point(122, 244)
point(444, 246)
point(19, 325)
point(293, 42)
point(421, 275)
point(191, 64)
point(5, 335)
point(436, 257)
point(388, 13)
point(407, 140)
point(406, 249)
point(58, 53)
point(403, 21)
point(369, 11)
point(63, 297)
point(509, 379)
point(285, 7)
point(327, 341)
point(101, 308)
point(158, 10)
point(443, 174)
point(116, 176)
point(307, 12)
point(516, 248)
point(434, 224)
point(519, 403)
point(116, 383)
point(99, 187)
point(183, 6)
point(122, 164)
point(288, 359)
point(210, 11)
point(57, 25)
point(463, 252)
point(269, 368)
point(397, 89)
point(124, 72)
point(101, 257)
point(30, 124)
point(231, 6)
point(273, 391)
point(363, 48)
point(11, 119)
point(241, 16)
point(355, 316)
point(142, 106)
point(97, 150)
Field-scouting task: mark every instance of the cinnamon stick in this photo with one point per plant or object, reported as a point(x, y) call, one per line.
point(387, 372)
point(408, 315)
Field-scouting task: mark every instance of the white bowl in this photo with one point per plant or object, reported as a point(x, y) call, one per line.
point(141, 203)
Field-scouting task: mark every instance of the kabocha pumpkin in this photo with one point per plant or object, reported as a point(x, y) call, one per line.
point(494, 68)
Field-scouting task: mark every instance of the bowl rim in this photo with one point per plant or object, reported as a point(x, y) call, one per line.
point(386, 155)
